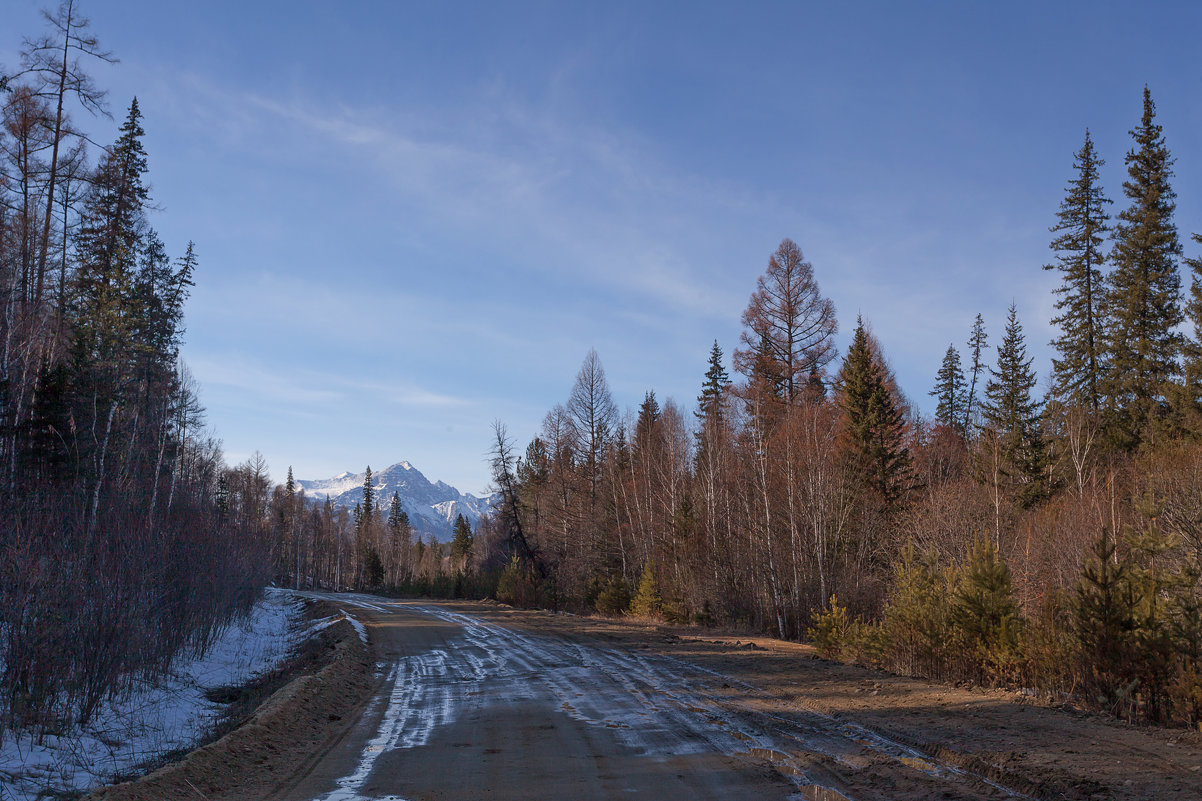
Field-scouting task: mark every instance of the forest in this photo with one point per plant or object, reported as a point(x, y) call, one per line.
point(125, 541)
point(1051, 543)
point(1046, 542)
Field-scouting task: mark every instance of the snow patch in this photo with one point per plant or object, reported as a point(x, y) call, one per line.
point(357, 626)
point(157, 717)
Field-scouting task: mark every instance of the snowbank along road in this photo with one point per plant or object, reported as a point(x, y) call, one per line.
point(470, 709)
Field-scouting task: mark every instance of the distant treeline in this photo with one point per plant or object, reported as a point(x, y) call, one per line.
point(1050, 542)
point(116, 548)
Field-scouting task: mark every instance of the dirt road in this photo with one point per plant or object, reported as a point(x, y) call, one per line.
point(483, 702)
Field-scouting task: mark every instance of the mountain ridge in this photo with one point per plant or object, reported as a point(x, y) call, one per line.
point(431, 506)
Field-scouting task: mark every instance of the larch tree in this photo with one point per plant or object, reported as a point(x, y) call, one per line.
point(1143, 303)
point(592, 412)
point(950, 392)
point(788, 324)
point(53, 60)
point(1080, 230)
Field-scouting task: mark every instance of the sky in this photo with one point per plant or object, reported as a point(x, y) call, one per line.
point(415, 219)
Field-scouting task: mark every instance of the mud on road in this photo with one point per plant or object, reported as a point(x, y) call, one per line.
point(475, 701)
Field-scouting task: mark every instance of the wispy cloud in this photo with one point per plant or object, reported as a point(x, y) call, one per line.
point(561, 196)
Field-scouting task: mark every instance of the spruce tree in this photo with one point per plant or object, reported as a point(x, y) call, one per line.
point(1186, 398)
point(977, 342)
point(984, 611)
point(461, 543)
point(1010, 414)
point(713, 391)
point(104, 315)
point(394, 514)
point(950, 392)
point(1143, 304)
point(1193, 306)
point(873, 419)
point(711, 403)
point(646, 426)
point(1080, 229)
point(369, 497)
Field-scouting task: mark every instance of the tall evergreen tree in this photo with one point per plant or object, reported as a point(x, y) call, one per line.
point(1187, 400)
point(951, 392)
point(1080, 229)
point(1143, 303)
point(977, 342)
point(461, 543)
point(104, 315)
point(369, 497)
point(394, 514)
point(645, 426)
point(1010, 413)
point(713, 391)
point(874, 422)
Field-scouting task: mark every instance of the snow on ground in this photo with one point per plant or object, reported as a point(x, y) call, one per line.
point(156, 718)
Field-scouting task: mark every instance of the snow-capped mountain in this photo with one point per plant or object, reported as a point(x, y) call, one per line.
point(432, 508)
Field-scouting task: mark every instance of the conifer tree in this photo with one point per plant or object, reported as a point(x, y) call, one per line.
point(103, 313)
point(977, 342)
point(789, 325)
point(461, 543)
point(647, 601)
point(984, 611)
point(950, 392)
point(1080, 228)
point(711, 411)
point(1143, 304)
point(873, 419)
point(1011, 414)
point(397, 519)
point(713, 391)
point(369, 497)
point(645, 426)
point(1104, 615)
point(765, 381)
point(1187, 398)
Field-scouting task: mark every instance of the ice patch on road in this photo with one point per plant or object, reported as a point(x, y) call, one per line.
point(657, 706)
point(646, 705)
point(156, 718)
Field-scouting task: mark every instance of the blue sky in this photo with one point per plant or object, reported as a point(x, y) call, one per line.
point(415, 218)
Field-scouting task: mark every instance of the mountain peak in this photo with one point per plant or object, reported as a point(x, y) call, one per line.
point(431, 507)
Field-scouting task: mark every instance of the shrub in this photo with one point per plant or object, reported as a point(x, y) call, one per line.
point(647, 601)
point(985, 614)
point(518, 585)
point(614, 598)
point(838, 635)
point(916, 624)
